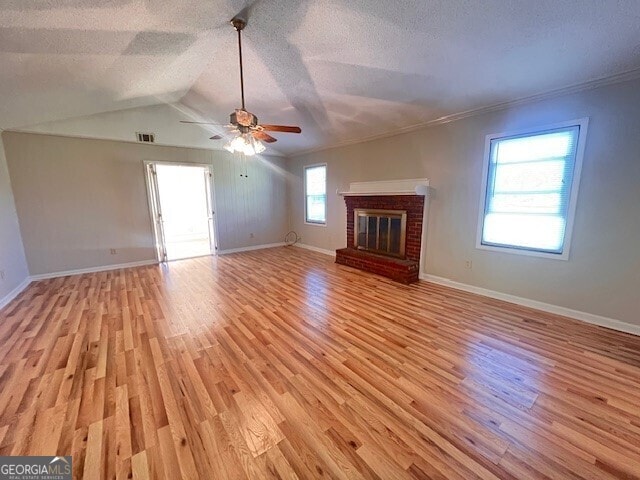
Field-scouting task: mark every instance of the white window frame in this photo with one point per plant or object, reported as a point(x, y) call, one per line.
point(583, 124)
point(326, 197)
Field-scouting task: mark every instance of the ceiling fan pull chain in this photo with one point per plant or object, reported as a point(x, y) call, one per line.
point(239, 156)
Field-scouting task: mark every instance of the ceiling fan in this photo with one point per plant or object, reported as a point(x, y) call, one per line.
point(248, 133)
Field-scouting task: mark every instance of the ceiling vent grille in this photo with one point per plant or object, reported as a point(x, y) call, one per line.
point(146, 137)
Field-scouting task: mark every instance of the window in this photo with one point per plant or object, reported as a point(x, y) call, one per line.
point(531, 182)
point(315, 192)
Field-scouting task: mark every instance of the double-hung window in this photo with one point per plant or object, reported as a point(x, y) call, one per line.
point(530, 189)
point(315, 192)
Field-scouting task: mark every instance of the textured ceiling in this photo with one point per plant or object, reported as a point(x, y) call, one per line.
point(342, 69)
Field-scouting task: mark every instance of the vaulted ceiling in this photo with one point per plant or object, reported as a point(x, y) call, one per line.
point(341, 69)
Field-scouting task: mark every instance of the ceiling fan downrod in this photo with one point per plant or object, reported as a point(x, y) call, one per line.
point(248, 133)
point(239, 24)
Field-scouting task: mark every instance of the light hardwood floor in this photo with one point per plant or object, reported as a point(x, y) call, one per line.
point(280, 364)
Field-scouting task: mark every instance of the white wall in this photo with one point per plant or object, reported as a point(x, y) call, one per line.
point(12, 259)
point(78, 198)
point(602, 276)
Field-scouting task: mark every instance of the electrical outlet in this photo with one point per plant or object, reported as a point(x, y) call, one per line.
point(113, 251)
point(1, 274)
point(468, 264)
point(251, 235)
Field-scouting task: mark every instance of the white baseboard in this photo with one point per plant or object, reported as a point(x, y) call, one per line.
point(331, 253)
point(104, 268)
point(248, 249)
point(14, 293)
point(545, 307)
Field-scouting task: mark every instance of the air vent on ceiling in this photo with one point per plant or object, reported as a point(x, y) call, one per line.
point(146, 137)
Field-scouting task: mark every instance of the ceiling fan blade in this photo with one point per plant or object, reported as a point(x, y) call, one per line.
point(281, 128)
point(215, 137)
point(265, 137)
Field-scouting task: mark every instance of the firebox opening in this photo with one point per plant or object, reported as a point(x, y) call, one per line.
point(381, 231)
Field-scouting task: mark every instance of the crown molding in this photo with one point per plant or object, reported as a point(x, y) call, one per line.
point(550, 94)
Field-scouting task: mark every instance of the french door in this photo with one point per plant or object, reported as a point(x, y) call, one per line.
point(181, 203)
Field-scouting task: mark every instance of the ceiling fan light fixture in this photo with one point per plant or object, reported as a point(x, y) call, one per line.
point(246, 144)
point(258, 146)
point(236, 144)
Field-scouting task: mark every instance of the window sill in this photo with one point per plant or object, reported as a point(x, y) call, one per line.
point(528, 253)
point(315, 224)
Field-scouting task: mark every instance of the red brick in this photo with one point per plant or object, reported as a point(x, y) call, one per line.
point(406, 270)
point(412, 204)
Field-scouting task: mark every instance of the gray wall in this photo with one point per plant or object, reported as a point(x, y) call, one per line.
point(602, 276)
point(78, 198)
point(12, 259)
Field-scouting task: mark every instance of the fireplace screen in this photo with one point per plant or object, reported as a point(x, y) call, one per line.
point(380, 231)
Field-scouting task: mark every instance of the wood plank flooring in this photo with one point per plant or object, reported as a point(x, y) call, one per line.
point(281, 364)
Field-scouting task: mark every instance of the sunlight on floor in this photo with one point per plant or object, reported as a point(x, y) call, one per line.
point(188, 248)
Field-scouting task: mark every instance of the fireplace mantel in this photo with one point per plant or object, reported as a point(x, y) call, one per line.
point(412, 186)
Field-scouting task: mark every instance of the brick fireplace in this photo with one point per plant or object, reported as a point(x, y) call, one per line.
point(400, 264)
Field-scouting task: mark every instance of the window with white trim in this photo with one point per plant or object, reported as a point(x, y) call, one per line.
point(531, 183)
point(315, 192)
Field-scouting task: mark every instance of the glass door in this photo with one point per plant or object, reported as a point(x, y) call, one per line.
point(181, 200)
point(156, 212)
point(208, 185)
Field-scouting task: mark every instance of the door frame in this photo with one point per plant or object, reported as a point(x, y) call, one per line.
point(150, 183)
